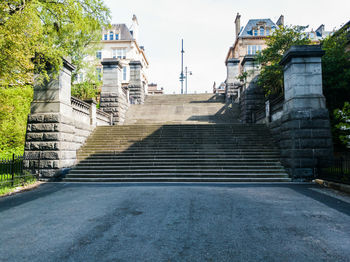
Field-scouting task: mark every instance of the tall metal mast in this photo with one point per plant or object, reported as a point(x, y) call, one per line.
point(182, 66)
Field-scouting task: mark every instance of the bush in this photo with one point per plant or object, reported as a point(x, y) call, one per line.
point(14, 110)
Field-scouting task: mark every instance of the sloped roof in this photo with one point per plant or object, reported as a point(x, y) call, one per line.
point(248, 29)
point(124, 31)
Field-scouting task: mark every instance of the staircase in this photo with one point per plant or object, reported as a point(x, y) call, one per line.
point(199, 140)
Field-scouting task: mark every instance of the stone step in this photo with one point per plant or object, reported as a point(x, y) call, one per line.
point(172, 170)
point(182, 180)
point(215, 162)
point(183, 175)
point(177, 166)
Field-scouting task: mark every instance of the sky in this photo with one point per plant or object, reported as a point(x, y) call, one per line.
point(208, 30)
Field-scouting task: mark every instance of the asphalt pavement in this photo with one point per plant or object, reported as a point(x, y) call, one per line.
point(175, 222)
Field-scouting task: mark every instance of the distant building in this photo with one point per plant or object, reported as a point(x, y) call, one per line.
point(249, 40)
point(121, 42)
point(153, 90)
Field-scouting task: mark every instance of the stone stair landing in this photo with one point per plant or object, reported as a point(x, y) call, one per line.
point(182, 109)
point(180, 138)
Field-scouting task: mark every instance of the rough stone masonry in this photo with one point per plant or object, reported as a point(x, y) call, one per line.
point(305, 136)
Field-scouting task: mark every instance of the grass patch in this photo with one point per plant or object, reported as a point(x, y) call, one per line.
point(24, 179)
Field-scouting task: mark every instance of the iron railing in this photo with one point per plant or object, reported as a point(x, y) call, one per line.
point(338, 172)
point(13, 173)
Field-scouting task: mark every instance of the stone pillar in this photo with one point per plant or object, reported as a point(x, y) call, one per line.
point(50, 142)
point(252, 97)
point(113, 99)
point(232, 66)
point(136, 87)
point(305, 126)
point(93, 104)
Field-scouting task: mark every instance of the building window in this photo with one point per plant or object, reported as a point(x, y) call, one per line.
point(105, 37)
point(124, 73)
point(99, 55)
point(253, 49)
point(111, 35)
point(262, 31)
point(99, 74)
point(312, 35)
point(255, 32)
point(121, 53)
point(116, 36)
point(114, 53)
point(267, 31)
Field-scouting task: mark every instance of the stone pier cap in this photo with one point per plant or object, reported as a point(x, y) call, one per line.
point(300, 51)
point(136, 63)
point(232, 61)
point(111, 62)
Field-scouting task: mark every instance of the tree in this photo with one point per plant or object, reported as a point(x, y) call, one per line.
point(90, 86)
point(14, 110)
point(343, 125)
point(44, 31)
point(271, 75)
point(336, 84)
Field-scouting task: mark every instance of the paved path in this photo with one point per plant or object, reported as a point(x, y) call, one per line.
point(108, 222)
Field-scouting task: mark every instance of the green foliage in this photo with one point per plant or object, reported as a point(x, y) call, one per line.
point(336, 85)
point(271, 75)
point(14, 109)
point(243, 77)
point(44, 31)
point(336, 70)
point(91, 85)
point(343, 126)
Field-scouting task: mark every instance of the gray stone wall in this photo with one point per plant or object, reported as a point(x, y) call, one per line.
point(251, 99)
point(305, 134)
point(57, 126)
point(136, 87)
point(232, 83)
point(114, 98)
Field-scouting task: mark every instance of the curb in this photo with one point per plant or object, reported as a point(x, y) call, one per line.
point(334, 185)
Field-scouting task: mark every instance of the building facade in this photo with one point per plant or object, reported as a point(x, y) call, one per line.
point(249, 40)
point(121, 42)
point(154, 90)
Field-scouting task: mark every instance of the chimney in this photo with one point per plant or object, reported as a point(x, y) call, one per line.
point(280, 21)
point(238, 24)
point(134, 29)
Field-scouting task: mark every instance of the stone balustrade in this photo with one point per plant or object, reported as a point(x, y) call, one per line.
point(58, 125)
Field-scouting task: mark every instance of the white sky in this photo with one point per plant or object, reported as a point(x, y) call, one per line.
point(207, 27)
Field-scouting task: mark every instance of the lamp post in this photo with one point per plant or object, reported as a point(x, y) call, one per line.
point(182, 66)
point(187, 73)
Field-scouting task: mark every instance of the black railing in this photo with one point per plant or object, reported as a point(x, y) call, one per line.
point(338, 172)
point(13, 173)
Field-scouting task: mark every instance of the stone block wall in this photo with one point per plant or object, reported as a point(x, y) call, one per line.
point(303, 131)
point(136, 87)
point(114, 98)
point(251, 99)
point(58, 126)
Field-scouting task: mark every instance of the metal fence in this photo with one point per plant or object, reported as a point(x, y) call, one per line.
point(338, 172)
point(13, 173)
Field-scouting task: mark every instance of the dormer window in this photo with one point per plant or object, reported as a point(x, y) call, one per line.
point(111, 35)
point(255, 32)
point(262, 31)
point(267, 31)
